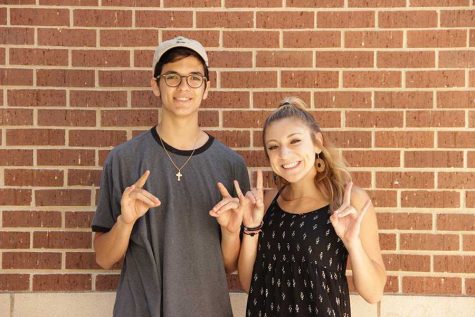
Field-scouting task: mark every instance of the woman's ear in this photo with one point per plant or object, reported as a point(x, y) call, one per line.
point(155, 88)
point(318, 137)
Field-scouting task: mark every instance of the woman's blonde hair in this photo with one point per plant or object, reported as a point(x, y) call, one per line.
point(332, 180)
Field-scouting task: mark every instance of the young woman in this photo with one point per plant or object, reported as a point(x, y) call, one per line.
point(297, 238)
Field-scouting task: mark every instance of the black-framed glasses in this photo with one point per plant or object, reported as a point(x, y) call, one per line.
point(174, 79)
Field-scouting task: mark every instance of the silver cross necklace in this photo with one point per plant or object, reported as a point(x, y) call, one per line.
point(179, 175)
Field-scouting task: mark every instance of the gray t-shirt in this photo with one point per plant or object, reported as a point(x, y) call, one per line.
point(173, 265)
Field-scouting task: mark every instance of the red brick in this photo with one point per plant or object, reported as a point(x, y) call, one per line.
point(456, 222)
point(127, 78)
point(192, 3)
point(345, 19)
point(349, 139)
point(374, 79)
point(14, 240)
point(102, 18)
point(11, 117)
point(63, 197)
point(342, 99)
point(407, 262)
point(383, 198)
point(422, 59)
point(454, 264)
point(14, 282)
point(435, 118)
point(404, 180)
point(348, 59)
point(68, 118)
point(39, 17)
point(100, 58)
point(401, 139)
point(271, 99)
point(457, 18)
point(48, 219)
point(107, 282)
point(142, 58)
point(98, 99)
point(457, 59)
point(435, 79)
point(262, 79)
point(251, 39)
point(231, 59)
point(315, 3)
point(62, 282)
point(209, 38)
point(439, 3)
point(387, 241)
point(311, 39)
point(224, 19)
point(309, 79)
point(128, 38)
point(456, 180)
point(430, 199)
point(96, 138)
point(81, 261)
point(470, 286)
point(36, 98)
point(362, 179)
point(437, 38)
point(83, 177)
point(17, 35)
point(471, 159)
point(376, 3)
point(468, 242)
point(456, 99)
point(208, 119)
point(285, 20)
point(407, 19)
point(36, 56)
point(429, 159)
point(374, 119)
point(78, 219)
point(16, 157)
point(164, 19)
point(373, 159)
point(28, 177)
point(472, 38)
point(470, 199)
point(70, 2)
point(227, 99)
point(254, 158)
point(16, 77)
point(458, 139)
point(113, 118)
point(392, 285)
point(2, 60)
point(427, 241)
point(65, 157)
point(66, 37)
point(373, 39)
point(284, 59)
point(31, 260)
point(131, 3)
point(404, 221)
point(35, 137)
point(65, 78)
point(233, 138)
point(471, 79)
point(62, 240)
point(431, 285)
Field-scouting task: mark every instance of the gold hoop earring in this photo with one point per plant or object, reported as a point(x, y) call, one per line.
point(319, 163)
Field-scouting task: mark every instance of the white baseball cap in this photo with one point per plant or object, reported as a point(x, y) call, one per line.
point(178, 41)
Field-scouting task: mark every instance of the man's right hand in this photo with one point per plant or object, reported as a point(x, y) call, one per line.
point(136, 201)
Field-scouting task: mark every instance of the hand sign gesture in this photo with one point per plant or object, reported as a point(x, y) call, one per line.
point(253, 216)
point(228, 212)
point(136, 201)
point(346, 220)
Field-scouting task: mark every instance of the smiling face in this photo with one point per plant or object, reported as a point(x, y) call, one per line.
point(181, 101)
point(291, 149)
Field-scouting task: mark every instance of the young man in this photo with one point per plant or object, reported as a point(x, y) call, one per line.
point(156, 193)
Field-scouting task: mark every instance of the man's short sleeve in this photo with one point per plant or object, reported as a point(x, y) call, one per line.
point(108, 205)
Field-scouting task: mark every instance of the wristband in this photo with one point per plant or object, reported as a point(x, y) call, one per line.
point(251, 231)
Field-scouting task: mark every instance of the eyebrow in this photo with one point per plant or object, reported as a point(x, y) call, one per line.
point(288, 137)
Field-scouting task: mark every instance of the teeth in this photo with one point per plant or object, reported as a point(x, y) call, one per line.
point(290, 165)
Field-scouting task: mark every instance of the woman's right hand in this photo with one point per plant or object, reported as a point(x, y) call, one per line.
point(252, 217)
point(136, 201)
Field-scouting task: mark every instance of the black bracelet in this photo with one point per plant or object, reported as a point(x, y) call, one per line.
point(259, 227)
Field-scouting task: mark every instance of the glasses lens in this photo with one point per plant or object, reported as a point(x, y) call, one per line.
point(194, 81)
point(173, 80)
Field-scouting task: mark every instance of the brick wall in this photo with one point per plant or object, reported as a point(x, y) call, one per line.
point(391, 81)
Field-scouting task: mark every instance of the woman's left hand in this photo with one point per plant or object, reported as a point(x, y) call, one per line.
point(346, 220)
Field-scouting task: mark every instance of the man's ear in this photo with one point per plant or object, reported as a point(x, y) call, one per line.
point(205, 93)
point(154, 85)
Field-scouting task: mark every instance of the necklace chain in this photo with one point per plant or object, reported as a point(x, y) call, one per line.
point(179, 174)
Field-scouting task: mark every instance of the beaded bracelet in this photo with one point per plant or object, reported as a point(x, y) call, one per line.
point(251, 231)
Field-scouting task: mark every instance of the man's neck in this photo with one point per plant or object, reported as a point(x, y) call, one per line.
point(180, 134)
